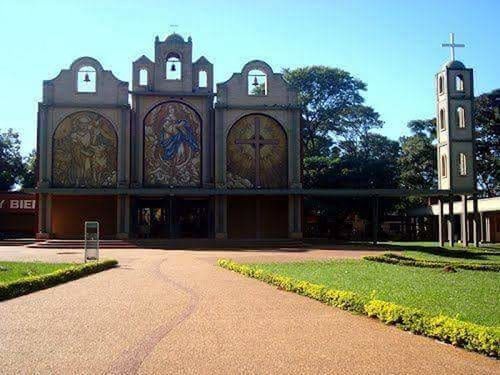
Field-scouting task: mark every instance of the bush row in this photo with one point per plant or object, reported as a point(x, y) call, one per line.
point(33, 283)
point(408, 261)
point(471, 336)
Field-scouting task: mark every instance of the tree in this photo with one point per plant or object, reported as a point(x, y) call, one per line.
point(332, 106)
point(417, 162)
point(28, 178)
point(370, 162)
point(487, 126)
point(11, 161)
point(321, 171)
point(424, 128)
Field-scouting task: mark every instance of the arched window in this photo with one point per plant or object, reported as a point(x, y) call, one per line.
point(444, 162)
point(86, 80)
point(440, 84)
point(442, 120)
point(202, 79)
point(257, 82)
point(143, 77)
point(461, 117)
point(173, 66)
point(462, 164)
point(459, 82)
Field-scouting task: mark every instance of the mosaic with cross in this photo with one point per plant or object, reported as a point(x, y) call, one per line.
point(257, 153)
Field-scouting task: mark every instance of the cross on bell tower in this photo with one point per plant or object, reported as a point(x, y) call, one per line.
point(452, 46)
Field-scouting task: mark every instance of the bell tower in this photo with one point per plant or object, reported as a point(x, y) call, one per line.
point(455, 136)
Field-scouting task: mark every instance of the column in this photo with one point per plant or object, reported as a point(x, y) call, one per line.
point(42, 232)
point(42, 146)
point(295, 217)
point(291, 216)
point(118, 216)
point(220, 217)
point(126, 215)
point(375, 220)
point(298, 216)
point(476, 225)
point(487, 229)
point(220, 149)
point(122, 216)
point(451, 222)
point(441, 222)
point(464, 230)
point(482, 221)
point(123, 148)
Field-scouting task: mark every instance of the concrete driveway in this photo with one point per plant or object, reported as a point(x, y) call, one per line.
point(175, 311)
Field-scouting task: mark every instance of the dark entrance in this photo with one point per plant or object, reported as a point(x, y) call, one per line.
point(191, 218)
point(172, 217)
point(257, 217)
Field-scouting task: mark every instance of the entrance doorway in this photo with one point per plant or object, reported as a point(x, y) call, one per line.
point(257, 217)
point(172, 217)
point(192, 218)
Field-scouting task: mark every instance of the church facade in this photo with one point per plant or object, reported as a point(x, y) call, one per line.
point(167, 157)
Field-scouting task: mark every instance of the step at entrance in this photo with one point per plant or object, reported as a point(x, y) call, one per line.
point(80, 244)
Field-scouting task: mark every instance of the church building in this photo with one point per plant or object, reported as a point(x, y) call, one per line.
point(167, 157)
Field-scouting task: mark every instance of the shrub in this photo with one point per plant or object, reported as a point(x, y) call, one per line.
point(471, 336)
point(33, 283)
point(401, 260)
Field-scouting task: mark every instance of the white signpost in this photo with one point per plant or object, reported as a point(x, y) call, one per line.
point(91, 240)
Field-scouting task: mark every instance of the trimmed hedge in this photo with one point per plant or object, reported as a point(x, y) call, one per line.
point(33, 283)
point(482, 339)
point(402, 260)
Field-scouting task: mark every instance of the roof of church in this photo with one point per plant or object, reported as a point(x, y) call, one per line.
point(455, 64)
point(143, 58)
point(202, 60)
point(176, 38)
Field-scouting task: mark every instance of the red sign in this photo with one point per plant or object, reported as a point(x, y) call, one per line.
point(17, 203)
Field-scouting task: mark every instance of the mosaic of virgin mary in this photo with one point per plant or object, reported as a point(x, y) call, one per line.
point(172, 142)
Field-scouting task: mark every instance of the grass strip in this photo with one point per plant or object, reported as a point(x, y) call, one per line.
point(482, 339)
point(33, 283)
point(402, 260)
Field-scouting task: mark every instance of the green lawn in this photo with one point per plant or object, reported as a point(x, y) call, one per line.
point(467, 295)
point(11, 271)
point(428, 250)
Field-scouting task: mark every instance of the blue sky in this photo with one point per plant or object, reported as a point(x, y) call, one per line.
point(393, 46)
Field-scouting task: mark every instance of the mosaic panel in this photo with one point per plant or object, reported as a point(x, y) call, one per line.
point(84, 152)
point(256, 154)
point(172, 146)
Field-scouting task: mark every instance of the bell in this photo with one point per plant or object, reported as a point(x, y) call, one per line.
point(86, 78)
point(255, 82)
point(172, 68)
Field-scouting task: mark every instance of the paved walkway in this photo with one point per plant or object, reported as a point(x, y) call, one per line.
point(176, 312)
